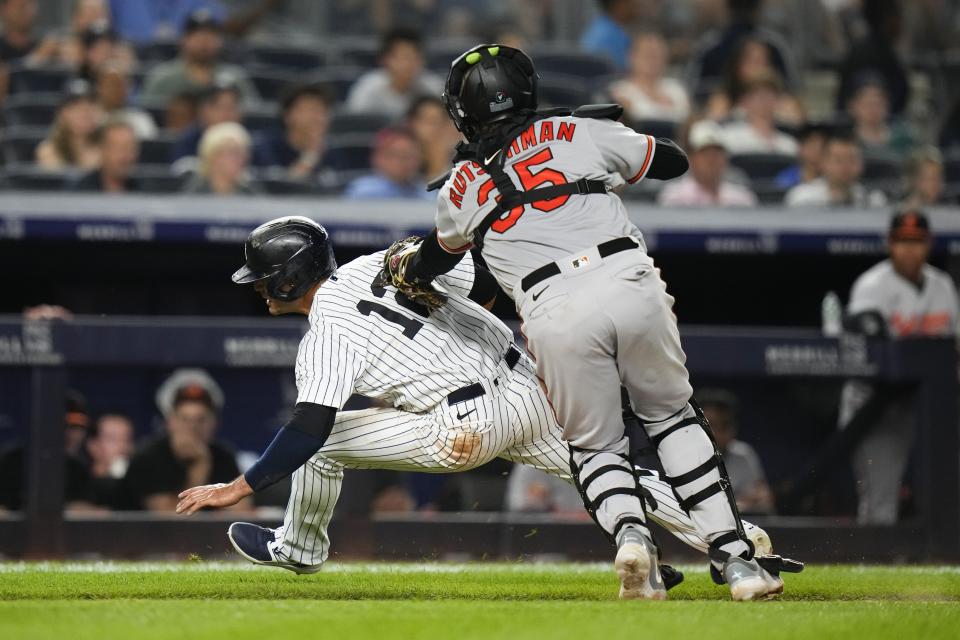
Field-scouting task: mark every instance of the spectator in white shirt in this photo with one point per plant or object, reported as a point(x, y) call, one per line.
point(392, 88)
point(704, 185)
point(756, 131)
point(645, 93)
point(839, 186)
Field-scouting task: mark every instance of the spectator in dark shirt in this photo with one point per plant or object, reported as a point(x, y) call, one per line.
point(119, 152)
point(717, 49)
point(76, 478)
point(112, 90)
point(18, 40)
point(869, 109)
point(183, 457)
point(434, 130)
point(215, 104)
point(180, 113)
point(743, 464)
point(299, 145)
point(876, 53)
point(750, 62)
point(108, 448)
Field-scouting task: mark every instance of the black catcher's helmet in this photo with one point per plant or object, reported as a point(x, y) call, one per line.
point(293, 252)
point(489, 83)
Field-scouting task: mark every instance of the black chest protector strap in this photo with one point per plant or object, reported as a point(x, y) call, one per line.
point(510, 196)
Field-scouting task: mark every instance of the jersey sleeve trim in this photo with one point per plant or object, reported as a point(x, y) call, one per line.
point(450, 249)
point(651, 143)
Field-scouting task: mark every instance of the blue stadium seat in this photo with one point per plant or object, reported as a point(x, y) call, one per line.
point(762, 165)
point(157, 178)
point(657, 128)
point(951, 166)
point(365, 123)
point(559, 91)
point(339, 79)
point(158, 51)
point(270, 83)
point(358, 53)
point(881, 167)
point(256, 120)
point(158, 150)
point(349, 152)
point(38, 79)
point(587, 67)
point(285, 58)
point(20, 144)
point(277, 185)
point(32, 178)
point(31, 109)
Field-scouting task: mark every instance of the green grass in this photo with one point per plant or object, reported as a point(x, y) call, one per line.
point(218, 600)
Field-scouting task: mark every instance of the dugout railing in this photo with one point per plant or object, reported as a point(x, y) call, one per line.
point(46, 351)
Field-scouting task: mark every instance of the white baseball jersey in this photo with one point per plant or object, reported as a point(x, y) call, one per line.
point(377, 344)
point(930, 310)
point(551, 151)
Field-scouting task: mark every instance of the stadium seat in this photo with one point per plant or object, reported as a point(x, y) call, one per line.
point(158, 150)
point(20, 144)
point(951, 168)
point(256, 120)
point(285, 58)
point(361, 53)
point(38, 79)
point(32, 178)
point(759, 166)
point(270, 82)
point(587, 67)
point(882, 168)
point(657, 128)
point(365, 123)
point(158, 51)
point(349, 152)
point(158, 179)
point(559, 91)
point(31, 109)
point(339, 79)
point(279, 186)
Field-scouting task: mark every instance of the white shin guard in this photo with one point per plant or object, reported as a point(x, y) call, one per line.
point(695, 470)
point(609, 488)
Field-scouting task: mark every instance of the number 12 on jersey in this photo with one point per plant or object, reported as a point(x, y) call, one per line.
point(530, 180)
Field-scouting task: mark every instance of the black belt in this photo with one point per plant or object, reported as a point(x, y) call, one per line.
point(475, 390)
point(607, 248)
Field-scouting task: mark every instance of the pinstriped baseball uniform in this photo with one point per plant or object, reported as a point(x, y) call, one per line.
point(368, 341)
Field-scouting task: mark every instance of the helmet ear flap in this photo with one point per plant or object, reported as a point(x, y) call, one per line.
point(295, 273)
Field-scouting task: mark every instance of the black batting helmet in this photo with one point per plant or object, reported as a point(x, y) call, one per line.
point(489, 83)
point(292, 253)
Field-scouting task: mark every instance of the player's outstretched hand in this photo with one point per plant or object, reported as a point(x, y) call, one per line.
point(213, 495)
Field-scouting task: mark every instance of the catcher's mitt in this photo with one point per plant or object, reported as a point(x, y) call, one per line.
point(395, 262)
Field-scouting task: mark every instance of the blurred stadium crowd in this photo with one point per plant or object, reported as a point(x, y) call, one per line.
point(838, 102)
point(817, 103)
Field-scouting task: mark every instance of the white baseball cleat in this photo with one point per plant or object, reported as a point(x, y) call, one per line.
point(636, 565)
point(749, 581)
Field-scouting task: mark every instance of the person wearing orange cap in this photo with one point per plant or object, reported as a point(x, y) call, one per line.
point(76, 477)
point(185, 455)
point(901, 297)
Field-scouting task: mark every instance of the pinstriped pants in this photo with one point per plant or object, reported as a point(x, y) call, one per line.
point(513, 420)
